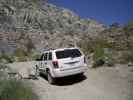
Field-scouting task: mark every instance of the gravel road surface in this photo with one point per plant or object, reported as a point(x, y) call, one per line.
point(105, 83)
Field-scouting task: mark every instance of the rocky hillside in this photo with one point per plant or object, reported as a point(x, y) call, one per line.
point(113, 45)
point(38, 25)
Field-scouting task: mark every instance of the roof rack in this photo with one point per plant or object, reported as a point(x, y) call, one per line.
point(47, 49)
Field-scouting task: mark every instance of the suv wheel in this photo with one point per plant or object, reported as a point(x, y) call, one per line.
point(80, 75)
point(50, 78)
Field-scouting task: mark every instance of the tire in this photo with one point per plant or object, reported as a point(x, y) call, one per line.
point(51, 80)
point(81, 74)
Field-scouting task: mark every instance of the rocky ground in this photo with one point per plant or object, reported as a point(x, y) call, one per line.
point(104, 83)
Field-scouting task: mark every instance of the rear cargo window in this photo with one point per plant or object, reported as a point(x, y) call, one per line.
point(68, 53)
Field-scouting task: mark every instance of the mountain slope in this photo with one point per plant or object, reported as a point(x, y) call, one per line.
point(43, 25)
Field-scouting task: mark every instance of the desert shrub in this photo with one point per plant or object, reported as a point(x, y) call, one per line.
point(3, 68)
point(20, 55)
point(98, 62)
point(15, 90)
point(20, 52)
point(128, 29)
point(6, 58)
point(109, 60)
point(86, 46)
point(29, 45)
point(98, 57)
point(110, 63)
point(89, 45)
point(130, 58)
point(127, 56)
point(92, 30)
point(36, 56)
point(95, 46)
point(98, 53)
point(20, 59)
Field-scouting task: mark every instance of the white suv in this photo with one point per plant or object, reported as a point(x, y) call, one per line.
point(61, 62)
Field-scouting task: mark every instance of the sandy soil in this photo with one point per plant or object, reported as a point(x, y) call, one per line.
point(105, 83)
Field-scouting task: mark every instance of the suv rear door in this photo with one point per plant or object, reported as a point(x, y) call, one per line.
point(69, 58)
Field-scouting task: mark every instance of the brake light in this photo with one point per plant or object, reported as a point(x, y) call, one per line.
point(55, 64)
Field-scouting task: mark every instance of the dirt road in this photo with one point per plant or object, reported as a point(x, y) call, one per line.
point(98, 84)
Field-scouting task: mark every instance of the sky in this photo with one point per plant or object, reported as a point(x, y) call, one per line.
point(104, 11)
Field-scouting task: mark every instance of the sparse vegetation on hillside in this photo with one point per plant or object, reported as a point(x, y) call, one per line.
point(37, 26)
point(20, 55)
point(112, 45)
point(5, 58)
point(43, 24)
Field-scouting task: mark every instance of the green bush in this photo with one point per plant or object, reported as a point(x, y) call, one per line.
point(16, 90)
point(97, 47)
point(86, 46)
point(98, 53)
point(92, 30)
point(99, 56)
point(109, 60)
point(128, 56)
point(20, 59)
point(36, 56)
point(89, 45)
point(116, 39)
point(128, 29)
point(20, 55)
point(6, 58)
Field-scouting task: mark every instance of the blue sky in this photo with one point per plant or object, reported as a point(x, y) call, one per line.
point(105, 11)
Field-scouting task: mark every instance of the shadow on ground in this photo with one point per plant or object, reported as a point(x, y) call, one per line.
point(70, 80)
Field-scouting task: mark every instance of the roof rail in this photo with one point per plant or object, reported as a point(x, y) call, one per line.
point(47, 49)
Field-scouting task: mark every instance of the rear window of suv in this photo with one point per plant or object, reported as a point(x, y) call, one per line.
point(68, 53)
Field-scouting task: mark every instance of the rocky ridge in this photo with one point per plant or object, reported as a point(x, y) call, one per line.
point(42, 24)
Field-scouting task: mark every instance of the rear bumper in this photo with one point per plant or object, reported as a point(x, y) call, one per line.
point(67, 72)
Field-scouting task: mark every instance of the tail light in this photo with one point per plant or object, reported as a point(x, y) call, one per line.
point(55, 64)
point(84, 60)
